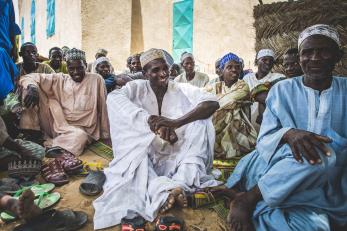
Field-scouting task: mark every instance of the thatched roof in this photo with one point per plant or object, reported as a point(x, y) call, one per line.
point(279, 24)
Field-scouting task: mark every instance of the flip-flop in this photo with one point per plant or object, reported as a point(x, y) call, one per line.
point(45, 201)
point(55, 220)
point(169, 223)
point(135, 224)
point(36, 189)
point(92, 184)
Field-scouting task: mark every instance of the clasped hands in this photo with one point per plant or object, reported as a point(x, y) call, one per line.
point(164, 127)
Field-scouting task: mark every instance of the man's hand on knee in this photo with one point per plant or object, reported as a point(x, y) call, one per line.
point(32, 97)
point(307, 144)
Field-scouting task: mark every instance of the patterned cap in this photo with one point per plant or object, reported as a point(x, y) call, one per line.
point(75, 54)
point(265, 52)
point(228, 57)
point(320, 29)
point(102, 51)
point(151, 55)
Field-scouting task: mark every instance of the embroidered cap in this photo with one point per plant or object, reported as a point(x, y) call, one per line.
point(320, 29)
point(151, 55)
point(75, 54)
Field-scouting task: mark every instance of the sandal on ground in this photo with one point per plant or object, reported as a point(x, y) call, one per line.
point(92, 184)
point(9, 186)
point(37, 189)
point(45, 201)
point(53, 152)
point(169, 223)
point(70, 163)
point(54, 173)
point(55, 220)
point(135, 224)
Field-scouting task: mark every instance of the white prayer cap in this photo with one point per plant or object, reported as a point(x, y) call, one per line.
point(186, 55)
point(265, 52)
point(319, 29)
point(100, 60)
point(151, 55)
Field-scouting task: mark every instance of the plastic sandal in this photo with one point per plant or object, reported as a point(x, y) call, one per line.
point(45, 201)
point(92, 184)
point(169, 223)
point(136, 224)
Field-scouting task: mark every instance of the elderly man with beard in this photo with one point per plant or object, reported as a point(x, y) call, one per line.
point(69, 109)
point(163, 138)
point(296, 178)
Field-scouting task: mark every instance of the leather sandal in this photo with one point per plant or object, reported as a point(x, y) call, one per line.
point(54, 173)
point(70, 163)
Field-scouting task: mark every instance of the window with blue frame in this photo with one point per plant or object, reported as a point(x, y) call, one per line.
point(32, 25)
point(182, 27)
point(22, 31)
point(50, 28)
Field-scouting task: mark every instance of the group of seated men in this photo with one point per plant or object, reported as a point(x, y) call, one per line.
point(166, 128)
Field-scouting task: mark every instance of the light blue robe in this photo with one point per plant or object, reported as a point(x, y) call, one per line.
point(298, 196)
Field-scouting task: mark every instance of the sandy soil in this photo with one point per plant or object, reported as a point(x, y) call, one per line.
point(199, 219)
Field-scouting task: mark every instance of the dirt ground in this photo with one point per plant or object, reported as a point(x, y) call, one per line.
point(71, 198)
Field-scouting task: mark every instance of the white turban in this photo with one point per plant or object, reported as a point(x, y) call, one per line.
point(319, 29)
point(98, 61)
point(265, 52)
point(186, 55)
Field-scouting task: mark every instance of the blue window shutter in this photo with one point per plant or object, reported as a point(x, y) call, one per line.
point(50, 28)
point(32, 25)
point(22, 31)
point(182, 28)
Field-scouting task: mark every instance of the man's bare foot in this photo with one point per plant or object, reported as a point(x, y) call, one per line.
point(240, 214)
point(26, 208)
point(180, 197)
point(176, 196)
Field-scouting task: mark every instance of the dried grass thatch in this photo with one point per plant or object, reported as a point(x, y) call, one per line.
point(279, 24)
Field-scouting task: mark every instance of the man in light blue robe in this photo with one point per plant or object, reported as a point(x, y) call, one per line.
point(274, 187)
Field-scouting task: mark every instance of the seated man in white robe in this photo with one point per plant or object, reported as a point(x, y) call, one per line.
point(163, 138)
point(278, 189)
point(69, 109)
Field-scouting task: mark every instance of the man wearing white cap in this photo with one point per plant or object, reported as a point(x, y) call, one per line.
point(162, 138)
point(265, 60)
point(69, 109)
point(189, 75)
point(296, 179)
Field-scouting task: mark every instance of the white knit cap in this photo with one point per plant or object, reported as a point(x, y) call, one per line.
point(265, 52)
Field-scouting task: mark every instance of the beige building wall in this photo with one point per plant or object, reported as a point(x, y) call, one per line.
point(223, 26)
point(125, 27)
point(157, 24)
point(106, 24)
point(67, 24)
